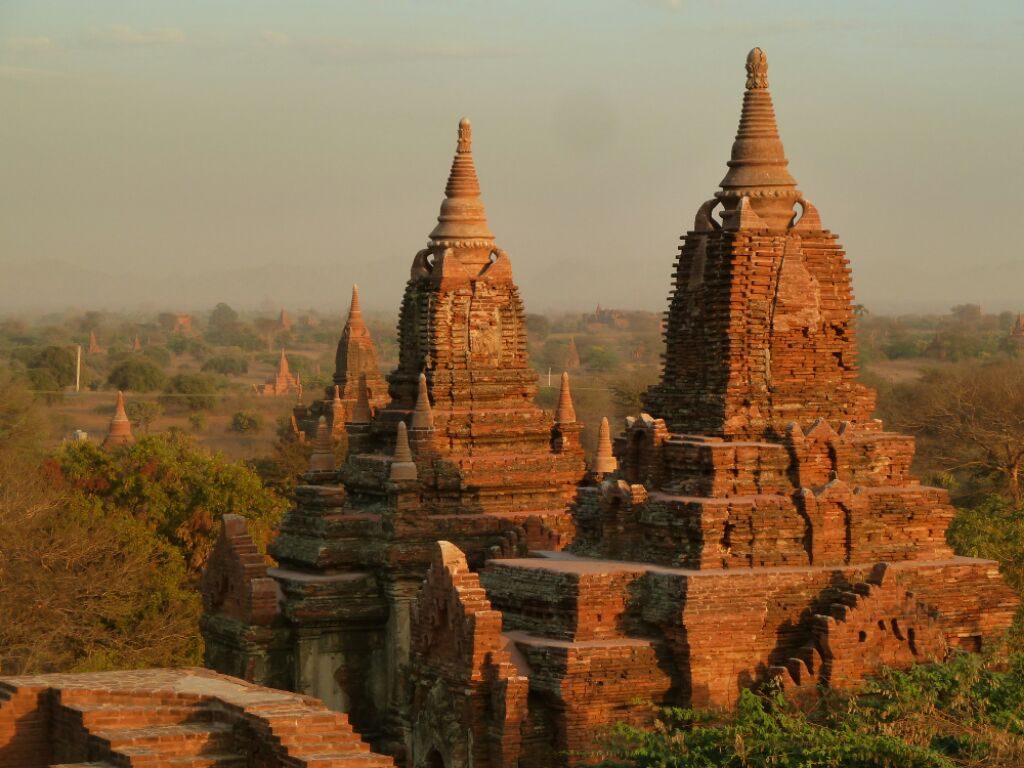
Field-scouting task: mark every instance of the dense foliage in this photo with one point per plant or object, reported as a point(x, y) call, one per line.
point(137, 375)
point(176, 488)
point(966, 712)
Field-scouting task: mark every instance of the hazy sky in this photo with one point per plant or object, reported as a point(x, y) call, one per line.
point(263, 150)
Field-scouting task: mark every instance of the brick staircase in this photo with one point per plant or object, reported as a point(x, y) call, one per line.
point(170, 719)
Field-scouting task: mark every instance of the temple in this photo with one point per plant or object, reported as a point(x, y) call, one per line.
point(470, 596)
point(356, 359)
point(457, 451)
point(281, 383)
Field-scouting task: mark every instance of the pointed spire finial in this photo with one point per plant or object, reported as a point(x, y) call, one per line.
point(403, 467)
point(758, 168)
point(463, 220)
point(565, 413)
point(322, 458)
point(282, 364)
point(604, 460)
point(361, 411)
point(422, 415)
point(757, 69)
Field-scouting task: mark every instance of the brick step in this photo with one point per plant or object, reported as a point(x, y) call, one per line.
point(169, 740)
point(122, 716)
point(157, 758)
point(83, 765)
point(345, 760)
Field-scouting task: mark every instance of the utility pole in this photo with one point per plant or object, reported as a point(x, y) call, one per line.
point(78, 369)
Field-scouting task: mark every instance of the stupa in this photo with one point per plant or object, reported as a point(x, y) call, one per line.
point(120, 430)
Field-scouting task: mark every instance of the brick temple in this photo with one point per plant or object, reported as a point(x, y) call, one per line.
point(470, 596)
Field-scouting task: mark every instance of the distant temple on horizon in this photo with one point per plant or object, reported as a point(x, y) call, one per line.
point(472, 595)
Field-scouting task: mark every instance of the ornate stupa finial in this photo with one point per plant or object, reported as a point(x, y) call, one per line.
point(322, 458)
point(604, 460)
point(565, 413)
point(422, 415)
point(403, 468)
point(758, 168)
point(462, 222)
point(361, 411)
point(757, 69)
point(120, 431)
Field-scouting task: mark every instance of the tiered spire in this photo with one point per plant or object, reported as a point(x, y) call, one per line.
point(355, 324)
point(120, 431)
point(282, 366)
point(403, 467)
point(604, 460)
point(463, 220)
point(422, 416)
point(758, 168)
point(565, 413)
point(94, 345)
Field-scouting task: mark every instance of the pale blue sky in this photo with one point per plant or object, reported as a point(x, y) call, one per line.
point(174, 140)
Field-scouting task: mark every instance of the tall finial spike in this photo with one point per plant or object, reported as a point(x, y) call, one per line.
point(355, 310)
point(422, 416)
point(757, 69)
point(565, 413)
point(462, 221)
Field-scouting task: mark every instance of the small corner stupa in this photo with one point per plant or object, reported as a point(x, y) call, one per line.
point(120, 430)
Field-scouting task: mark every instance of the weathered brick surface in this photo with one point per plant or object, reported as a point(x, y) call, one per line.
point(170, 719)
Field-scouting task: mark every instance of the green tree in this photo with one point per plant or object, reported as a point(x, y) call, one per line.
point(143, 413)
point(137, 375)
point(222, 316)
point(176, 487)
point(969, 422)
point(82, 586)
point(195, 391)
point(227, 365)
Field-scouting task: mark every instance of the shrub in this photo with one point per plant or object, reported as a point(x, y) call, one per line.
point(246, 421)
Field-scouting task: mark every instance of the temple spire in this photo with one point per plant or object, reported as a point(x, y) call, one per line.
point(463, 220)
point(565, 413)
point(282, 365)
point(422, 416)
point(120, 431)
point(758, 168)
point(355, 325)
